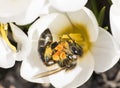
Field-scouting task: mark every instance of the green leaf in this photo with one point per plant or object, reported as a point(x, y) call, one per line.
point(106, 28)
point(94, 7)
point(110, 2)
point(101, 16)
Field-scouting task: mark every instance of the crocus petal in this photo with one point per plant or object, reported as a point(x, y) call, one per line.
point(33, 65)
point(13, 18)
point(22, 40)
point(105, 51)
point(12, 11)
point(86, 18)
point(76, 77)
point(10, 7)
point(22, 12)
point(33, 11)
point(68, 5)
point(115, 1)
point(7, 57)
point(50, 21)
point(114, 21)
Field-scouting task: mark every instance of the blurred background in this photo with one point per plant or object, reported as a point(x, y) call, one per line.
point(10, 78)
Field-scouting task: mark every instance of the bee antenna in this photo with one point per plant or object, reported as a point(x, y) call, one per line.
point(70, 38)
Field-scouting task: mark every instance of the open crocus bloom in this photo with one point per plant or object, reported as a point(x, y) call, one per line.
point(98, 48)
point(114, 19)
point(20, 11)
point(7, 50)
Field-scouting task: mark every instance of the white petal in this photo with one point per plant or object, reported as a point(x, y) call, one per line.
point(7, 57)
point(76, 77)
point(114, 22)
point(22, 40)
point(22, 12)
point(10, 7)
point(116, 1)
point(68, 5)
point(13, 18)
point(33, 11)
point(86, 18)
point(47, 9)
point(55, 22)
point(33, 65)
point(105, 51)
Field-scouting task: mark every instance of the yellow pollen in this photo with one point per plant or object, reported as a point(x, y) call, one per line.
point(56, 56)
point(62, 55)
point(3, 34)
point(48, 51)
point(59, 47)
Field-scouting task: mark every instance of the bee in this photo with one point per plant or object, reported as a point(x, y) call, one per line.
point(64, 52)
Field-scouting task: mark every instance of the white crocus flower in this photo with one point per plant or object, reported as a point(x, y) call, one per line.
point(20, 11)
point(7, 50)
point(99, 52)
point(114, 19)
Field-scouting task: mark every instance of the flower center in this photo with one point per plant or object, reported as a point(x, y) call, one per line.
point(3, 34)
point(79, 34)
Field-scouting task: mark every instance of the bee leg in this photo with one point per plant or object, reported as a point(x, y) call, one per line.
point(69, 64)
point(72, 57)
point(65, 63)
point(49, 61)
point(61, 64)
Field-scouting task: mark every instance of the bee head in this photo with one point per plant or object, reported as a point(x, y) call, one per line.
point(75, 48)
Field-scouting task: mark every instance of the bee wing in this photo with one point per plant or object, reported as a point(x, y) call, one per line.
point(44, 40)
point(48, 73)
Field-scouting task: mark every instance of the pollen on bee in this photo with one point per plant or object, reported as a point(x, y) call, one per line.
point(65, 44)
point(59, 55)
point(59, 47)
point(62, 55)
point(48, 51)
point(56, 56)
